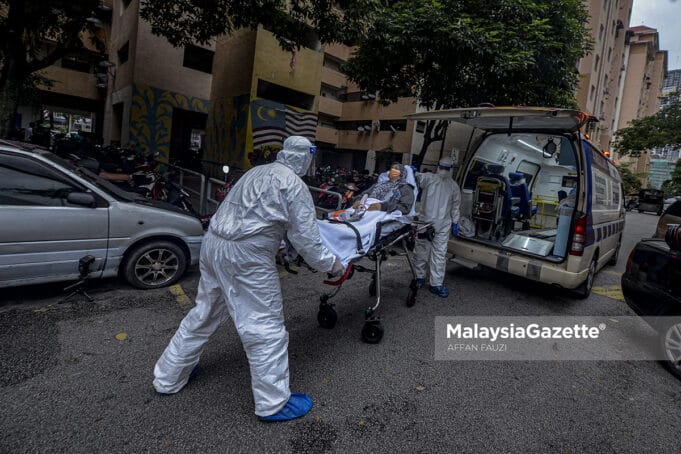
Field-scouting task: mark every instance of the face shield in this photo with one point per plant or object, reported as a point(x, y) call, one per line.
point(297, 154)
point(445, 167)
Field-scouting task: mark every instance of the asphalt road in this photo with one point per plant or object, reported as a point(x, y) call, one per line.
point(77, 376)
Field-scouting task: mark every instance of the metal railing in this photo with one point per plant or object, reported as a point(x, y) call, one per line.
point(211, 185)
point(197, 189)
point(321, 211)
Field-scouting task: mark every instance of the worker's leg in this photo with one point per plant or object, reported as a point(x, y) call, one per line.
point(421, 256)
point(182, 353)
point(438, 257)
point(255, 304)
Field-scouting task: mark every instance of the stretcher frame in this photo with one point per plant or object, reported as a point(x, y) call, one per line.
point(383, 247)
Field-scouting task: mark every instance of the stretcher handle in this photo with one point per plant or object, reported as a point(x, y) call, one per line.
point(343, 278)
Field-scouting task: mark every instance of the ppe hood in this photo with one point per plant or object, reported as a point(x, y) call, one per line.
point(297, 154)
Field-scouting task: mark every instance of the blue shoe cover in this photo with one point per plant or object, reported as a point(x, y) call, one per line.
point(192, 374)
point(420, 282)
point(439, 290)
point(298, 405)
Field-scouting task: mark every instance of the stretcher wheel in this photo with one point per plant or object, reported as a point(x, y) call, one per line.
point(327, 317)
point(411, 296)
point(372, 332)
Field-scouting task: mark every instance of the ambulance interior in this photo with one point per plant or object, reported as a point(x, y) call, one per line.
point(519, 192)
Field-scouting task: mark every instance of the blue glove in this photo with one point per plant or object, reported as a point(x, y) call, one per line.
point(455, 229)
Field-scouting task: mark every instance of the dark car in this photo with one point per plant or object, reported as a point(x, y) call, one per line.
point(650, 200)
point(672, 215)
point(651, 286)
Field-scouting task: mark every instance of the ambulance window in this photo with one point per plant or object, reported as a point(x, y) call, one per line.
point(530, 170)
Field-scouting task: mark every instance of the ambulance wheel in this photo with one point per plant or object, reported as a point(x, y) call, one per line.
point(372, 287)
point(411, 296)
point(327, 317)
point(615, 256)
point(584, 290)
point(372, 332)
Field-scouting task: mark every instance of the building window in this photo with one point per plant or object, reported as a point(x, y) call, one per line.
point(596, 63)
point(123, 53)
point(420, 127)
point(600, 33)
point(284, 95)
point(593, 91)
point(75, 64)
point(609, 54)
point(332, 63)
point(198, 58)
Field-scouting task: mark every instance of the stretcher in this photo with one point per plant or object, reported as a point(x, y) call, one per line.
point(392, 238)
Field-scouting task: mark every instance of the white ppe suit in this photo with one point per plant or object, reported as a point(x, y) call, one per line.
point(440, 202)
point(239, 278)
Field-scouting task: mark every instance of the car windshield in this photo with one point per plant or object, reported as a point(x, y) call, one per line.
point(91, 177)
point(651, 195)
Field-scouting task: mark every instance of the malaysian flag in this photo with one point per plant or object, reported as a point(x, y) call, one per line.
point(269, 123)
point(273, 122)
point(301, 124)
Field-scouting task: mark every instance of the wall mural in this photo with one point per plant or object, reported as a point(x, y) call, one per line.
point(272, 123)
point(151, 117)
point(244, 133)
point(226, 133)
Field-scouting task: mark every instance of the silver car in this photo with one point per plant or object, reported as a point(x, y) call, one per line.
point(55, 215)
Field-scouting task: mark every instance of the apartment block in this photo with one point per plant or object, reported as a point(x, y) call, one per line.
point(646, 68)
point(76, 98)
point(601, 73)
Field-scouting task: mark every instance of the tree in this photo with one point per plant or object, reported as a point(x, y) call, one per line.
point(630, 180)
point(460, 53)
point(656, 131)
point(672, 187)
point(33, 36)
point(293, 22)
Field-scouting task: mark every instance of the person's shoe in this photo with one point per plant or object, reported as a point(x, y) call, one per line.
point(439, 290)
point(192, 374)
point(298, 405)
point(420, 282)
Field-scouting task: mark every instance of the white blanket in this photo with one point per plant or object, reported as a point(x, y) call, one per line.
point(341, 240)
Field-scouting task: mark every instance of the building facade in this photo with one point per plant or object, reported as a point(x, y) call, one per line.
point(234, 100)
point(601, 73)
point(645, 71)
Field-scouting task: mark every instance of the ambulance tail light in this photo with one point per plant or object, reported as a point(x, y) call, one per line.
point(579, 237)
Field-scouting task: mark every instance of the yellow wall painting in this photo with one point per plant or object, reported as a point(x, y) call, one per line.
point(151, 117)
point(227, 131)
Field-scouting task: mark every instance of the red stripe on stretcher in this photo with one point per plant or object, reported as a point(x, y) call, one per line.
point(342, 279)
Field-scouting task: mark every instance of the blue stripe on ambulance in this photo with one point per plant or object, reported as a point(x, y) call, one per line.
point(590, 234)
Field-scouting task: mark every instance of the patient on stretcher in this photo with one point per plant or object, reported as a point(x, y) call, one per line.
point(390, 199)
point(393, 191)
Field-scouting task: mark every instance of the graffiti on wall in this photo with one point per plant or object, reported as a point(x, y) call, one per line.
point(151, 117)
point(226, 134)
point(244, 133)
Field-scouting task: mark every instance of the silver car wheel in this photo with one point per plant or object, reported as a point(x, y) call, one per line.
point(156, 266)
point(672, 345)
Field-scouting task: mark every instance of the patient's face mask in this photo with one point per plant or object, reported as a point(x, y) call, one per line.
point(394, 174)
